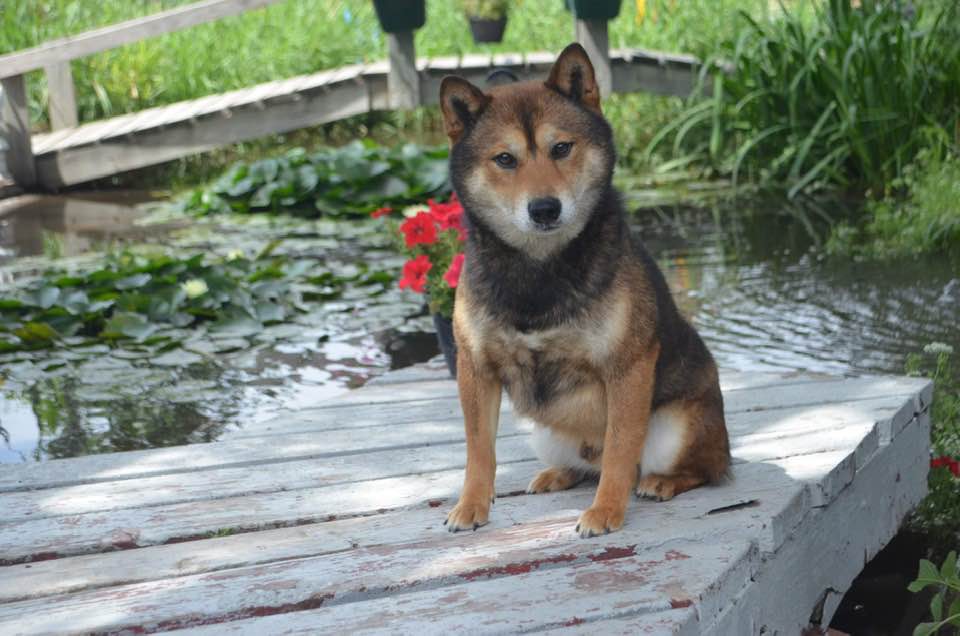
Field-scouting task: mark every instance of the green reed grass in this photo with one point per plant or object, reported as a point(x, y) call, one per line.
point(847, 98)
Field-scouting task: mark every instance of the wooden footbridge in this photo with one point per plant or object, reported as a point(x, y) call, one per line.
point(73, 153)
point(330, 521)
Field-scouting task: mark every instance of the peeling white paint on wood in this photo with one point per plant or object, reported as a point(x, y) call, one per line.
point(341, 509)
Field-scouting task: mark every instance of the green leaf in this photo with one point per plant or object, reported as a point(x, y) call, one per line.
point(36, 332)
point(128, 325)
point(132, 282)
point(237, 324)
point(10, 303)
point(75, 302)
point(925, 629)
point(270, 312)
point(44, 297)
point(936, 607)
point(948, 570)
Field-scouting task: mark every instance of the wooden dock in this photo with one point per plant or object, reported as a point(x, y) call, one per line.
point(73, 153)
point(330, 520)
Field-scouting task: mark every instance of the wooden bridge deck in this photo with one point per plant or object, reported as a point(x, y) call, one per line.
point(329, 520)
point(82, 153)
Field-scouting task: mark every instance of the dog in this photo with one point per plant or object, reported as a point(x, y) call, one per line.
point(560, 306)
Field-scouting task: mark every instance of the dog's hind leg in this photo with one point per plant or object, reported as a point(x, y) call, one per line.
point(686, 447)
point(554, 479)
point(666, 487)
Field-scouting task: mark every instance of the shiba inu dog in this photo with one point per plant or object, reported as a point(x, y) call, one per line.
point(560, 306)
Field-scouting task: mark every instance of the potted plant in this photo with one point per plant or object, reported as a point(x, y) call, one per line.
point(400, 15)
point(593, 9)
point(432, 237)
point(487, 18)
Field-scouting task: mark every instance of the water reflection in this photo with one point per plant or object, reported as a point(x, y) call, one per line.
point(69, 225)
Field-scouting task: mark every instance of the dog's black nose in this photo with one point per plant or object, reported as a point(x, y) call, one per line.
point(544, 211)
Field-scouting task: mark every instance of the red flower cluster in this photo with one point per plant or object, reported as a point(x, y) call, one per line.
point(946, 462)
point(426, 229)
point(449, 215)
point(415, 273)
point(384, 211)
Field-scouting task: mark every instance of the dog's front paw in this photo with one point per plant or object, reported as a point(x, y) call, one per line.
point(597, 520)
point(468, 515)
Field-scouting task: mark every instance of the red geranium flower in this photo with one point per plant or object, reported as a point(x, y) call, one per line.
point(415, 273)
point(453, 274)
point(419, 229)
point(384, 211)
point(946, 462)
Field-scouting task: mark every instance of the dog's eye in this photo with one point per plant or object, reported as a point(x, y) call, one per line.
point(561, 150)
point(505, 160)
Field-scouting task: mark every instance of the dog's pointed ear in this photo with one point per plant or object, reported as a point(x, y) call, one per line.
point(572, 75)
point(461, 103)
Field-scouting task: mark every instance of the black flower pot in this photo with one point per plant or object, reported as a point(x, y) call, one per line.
point(594, 9)
point(400, 15)
point(448, 345)
point(485, 31)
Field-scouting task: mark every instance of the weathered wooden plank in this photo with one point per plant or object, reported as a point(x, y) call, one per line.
point(15, 130)
point(681, 621)
point(830, 547)
point(769, 488)
point(341, 469)
point(374, 403)
point(62, 96)
point(436, 427)
point(501, 575)
point(109, 37)
point(592, 34)
point(75, 165)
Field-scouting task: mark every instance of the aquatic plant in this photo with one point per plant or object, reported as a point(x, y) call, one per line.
point(921, 214)
point(945, 603)
point(846, 99)
point(938, 516)
point(137, 298)
point(353, 179)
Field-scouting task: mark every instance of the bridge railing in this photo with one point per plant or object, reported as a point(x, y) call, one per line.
point(407, 85)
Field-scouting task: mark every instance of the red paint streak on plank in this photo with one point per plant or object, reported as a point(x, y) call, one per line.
point(39, 556)
point(677, 603)
point(673, 555)
point(512, 569)
point(615, 553)
point(574, 622)
point(435, 503)
point(313, 602)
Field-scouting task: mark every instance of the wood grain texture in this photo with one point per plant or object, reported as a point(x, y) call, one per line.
point(336, 526)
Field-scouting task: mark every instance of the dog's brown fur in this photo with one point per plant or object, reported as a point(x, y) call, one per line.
point(575, 323)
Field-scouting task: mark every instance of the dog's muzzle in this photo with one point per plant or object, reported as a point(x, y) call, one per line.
point(545, 212)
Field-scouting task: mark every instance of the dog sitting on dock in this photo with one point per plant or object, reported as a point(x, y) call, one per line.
point(562, 307)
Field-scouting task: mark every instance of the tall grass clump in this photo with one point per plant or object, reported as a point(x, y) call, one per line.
point(846, 99)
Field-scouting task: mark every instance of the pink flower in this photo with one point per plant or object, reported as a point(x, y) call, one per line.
point(415, 273)
point(453, 273)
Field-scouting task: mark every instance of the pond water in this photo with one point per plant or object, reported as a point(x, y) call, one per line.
point(744, 272)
